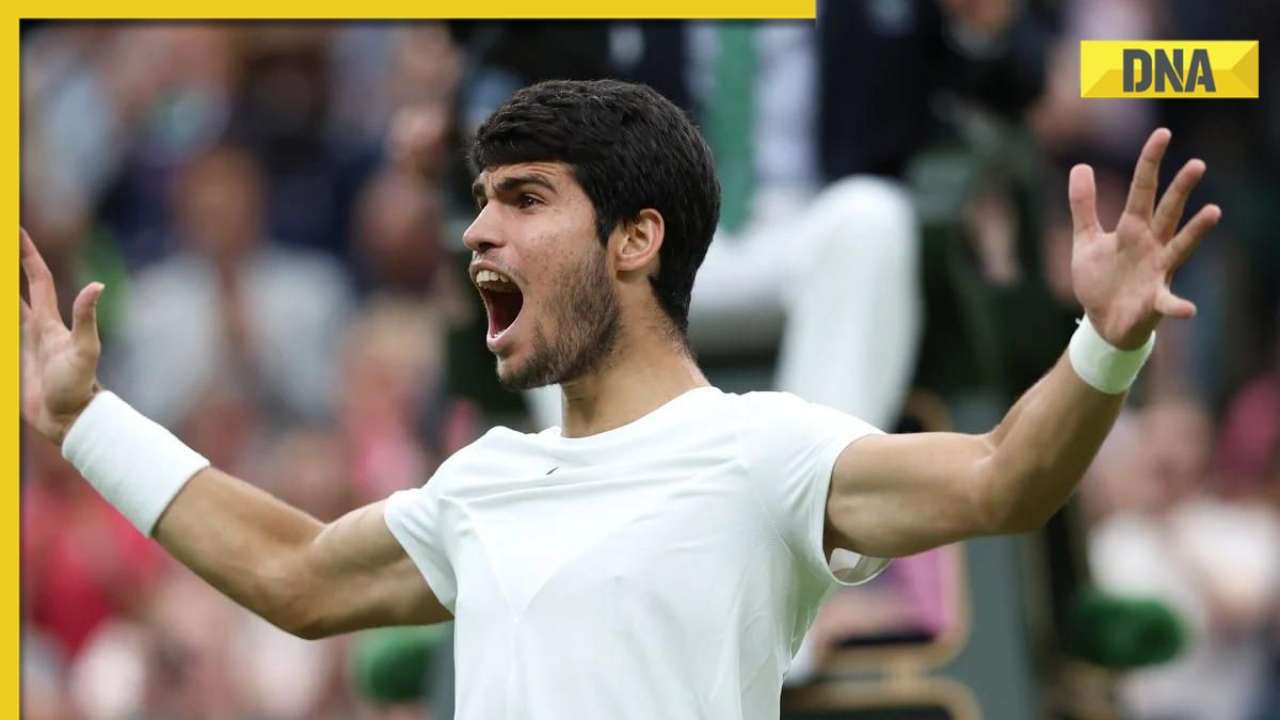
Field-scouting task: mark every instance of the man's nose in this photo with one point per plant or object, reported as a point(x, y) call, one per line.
point(483, 233)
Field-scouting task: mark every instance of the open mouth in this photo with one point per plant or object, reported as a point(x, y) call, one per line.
point(502, 300)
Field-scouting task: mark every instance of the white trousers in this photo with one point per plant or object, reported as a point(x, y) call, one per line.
point(834, 281)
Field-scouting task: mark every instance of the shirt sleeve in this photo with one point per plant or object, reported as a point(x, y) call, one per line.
point(791, 448)
point(415, 519)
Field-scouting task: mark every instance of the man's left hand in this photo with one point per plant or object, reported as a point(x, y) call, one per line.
point(1122, 277)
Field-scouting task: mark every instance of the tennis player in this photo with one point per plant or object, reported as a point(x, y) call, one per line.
point(662, 554)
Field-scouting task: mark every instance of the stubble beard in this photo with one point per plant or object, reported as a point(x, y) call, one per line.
point(589, 318)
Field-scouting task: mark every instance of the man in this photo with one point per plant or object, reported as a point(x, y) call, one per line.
point(662, 554)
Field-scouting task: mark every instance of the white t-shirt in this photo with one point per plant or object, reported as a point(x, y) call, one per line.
point(667, 569)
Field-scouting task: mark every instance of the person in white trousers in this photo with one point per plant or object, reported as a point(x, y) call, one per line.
point(819, 272)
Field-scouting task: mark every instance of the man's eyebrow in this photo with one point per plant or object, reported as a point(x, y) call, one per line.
point(509, 184)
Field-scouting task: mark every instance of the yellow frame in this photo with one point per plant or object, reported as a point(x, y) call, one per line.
point(454, 9)
point(380, 9)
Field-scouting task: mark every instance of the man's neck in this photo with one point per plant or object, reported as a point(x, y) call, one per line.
point(640, 377)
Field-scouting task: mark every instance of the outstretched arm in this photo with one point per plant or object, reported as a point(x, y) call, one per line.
point(893, 495)
point(307, 577)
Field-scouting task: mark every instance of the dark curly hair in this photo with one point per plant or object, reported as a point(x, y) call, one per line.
point(630, 149)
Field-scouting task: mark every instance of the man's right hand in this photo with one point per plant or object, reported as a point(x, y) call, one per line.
point(307, 577)
point(59, 366)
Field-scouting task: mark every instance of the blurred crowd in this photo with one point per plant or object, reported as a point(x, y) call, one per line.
point(276, 211)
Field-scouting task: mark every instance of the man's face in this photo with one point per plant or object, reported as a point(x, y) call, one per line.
point(543, 273)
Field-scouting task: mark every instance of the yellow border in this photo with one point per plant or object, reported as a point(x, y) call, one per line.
point(9, 449)
point(459, 9)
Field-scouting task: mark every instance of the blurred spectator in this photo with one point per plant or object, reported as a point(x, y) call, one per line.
point(1112, 128)
point(191, 668)
point(893, 70)
point(226, 425)
point(396, 415)
point(504, 56)
point(282, 677)
point(187, 652)
point(309, 470)
point(382, 67)
point(195, 68)
point(398, 242)
point(1108, 486)
point(44, 692)
point(231, 305)
point(1216, 561)
point(90, 88)
point(281, 114)
point(423, 83)
point(1249, 441)
point(109, 679)
point(83, 563)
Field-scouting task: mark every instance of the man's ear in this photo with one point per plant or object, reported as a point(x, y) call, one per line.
point(641, 240)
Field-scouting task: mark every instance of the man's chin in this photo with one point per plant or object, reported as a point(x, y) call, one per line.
point(515, 376)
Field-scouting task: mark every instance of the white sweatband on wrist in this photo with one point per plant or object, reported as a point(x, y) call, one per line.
point(136, 464)
point(1105, 367)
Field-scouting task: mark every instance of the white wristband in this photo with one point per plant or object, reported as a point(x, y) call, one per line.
point(1105, 367)
point(135, 464)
